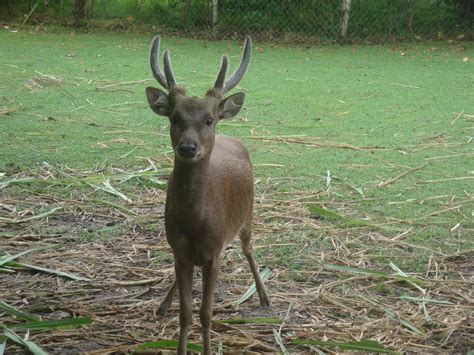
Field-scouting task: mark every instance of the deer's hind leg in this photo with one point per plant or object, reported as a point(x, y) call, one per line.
point(166, 303)
point(246, 239)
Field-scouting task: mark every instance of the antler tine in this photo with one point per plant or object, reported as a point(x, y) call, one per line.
point(169, 70)
point(239, 73)
point(155, 66)
point(219, 84)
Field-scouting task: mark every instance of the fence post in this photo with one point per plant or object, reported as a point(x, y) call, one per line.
point(215, 4)
point(346, 8)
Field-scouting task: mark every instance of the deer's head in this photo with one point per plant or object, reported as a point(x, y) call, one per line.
point(193, 119)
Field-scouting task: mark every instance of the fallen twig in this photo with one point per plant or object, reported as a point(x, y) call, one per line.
point(398, 177)
point(123, 83)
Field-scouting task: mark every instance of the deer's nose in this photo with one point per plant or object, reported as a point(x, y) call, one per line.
point(187, 150)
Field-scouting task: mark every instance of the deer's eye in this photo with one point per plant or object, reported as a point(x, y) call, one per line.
point(209, 121)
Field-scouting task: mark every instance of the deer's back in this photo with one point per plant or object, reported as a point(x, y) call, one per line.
point(231, 157)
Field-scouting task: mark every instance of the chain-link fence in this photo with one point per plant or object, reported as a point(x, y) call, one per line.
point(281, 20)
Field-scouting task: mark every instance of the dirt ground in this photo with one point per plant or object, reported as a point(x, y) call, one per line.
point(130, 269)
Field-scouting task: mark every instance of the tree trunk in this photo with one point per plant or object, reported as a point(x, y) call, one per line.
point(91, 10)
point(186, 9)
point(79, 12)
point(215, 7)
point(411, 15)
point(346, 8)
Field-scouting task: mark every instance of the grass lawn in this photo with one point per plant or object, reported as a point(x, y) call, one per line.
point(363, 156)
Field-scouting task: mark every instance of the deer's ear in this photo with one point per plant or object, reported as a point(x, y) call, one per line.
point(230, 106)
point(158, 101)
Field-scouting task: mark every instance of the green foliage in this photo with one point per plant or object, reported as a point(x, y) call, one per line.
point(31, 346)
point(17, 313)
point(7, 262)
point(175, 15)
point(33, 324)
point(361, 345)
point(373, 20)
point(50, 324)
point(276, 16)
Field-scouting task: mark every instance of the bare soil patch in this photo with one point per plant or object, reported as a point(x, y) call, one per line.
point(120, 247)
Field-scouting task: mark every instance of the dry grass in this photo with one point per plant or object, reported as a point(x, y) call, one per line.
point(121, 248)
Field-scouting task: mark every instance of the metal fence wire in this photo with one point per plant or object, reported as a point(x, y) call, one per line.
point(290, 20)
point(321, 20)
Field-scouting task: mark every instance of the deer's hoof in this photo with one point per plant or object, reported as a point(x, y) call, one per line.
point(265, 302)
point(161, 311)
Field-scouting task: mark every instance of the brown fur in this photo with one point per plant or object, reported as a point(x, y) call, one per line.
point(209, 199)
point(209, 202)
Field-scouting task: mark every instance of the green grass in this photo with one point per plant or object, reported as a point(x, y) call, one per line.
point(412, 103)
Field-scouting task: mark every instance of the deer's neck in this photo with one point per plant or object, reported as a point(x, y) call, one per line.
point(190, 184)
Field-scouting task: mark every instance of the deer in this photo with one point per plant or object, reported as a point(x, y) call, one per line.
point(210, 193)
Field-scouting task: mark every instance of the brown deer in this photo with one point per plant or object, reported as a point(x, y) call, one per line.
point(210, 191)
